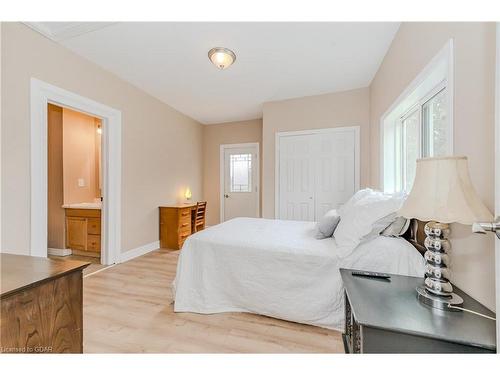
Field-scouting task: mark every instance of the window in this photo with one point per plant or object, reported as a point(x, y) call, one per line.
point(435, 127)
point(240, 169)
point(419, 124)
point(422, 132)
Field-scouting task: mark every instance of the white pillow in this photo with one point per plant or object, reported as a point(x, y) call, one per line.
point(360, 194)
point(397, 228)
point(326, 226)
point(379, 226)
point(359, 219)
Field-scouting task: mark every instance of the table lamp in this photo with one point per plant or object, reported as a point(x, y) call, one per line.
point(188, 195)
point(442, 194)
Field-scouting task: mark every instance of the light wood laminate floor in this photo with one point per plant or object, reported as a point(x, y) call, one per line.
point(128, 308)
point(95, 263)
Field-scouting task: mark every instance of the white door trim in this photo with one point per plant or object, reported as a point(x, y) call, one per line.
point(1, 127)
point(497, 173)
point(221, 174)
point(279, 135)
point(43, 93)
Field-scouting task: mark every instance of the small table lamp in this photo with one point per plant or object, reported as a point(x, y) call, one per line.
point(188, 195)
point(442, 193)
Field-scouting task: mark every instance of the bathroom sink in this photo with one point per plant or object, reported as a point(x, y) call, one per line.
point(84, 205)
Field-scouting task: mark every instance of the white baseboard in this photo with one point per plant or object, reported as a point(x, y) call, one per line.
point(138, 251)
point(59, 252)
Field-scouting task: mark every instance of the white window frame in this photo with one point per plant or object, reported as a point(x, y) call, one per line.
point(402, 170)
point(437, 75)
point(438, 89)
point(422, 140)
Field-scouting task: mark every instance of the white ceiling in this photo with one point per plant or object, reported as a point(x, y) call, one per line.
point(274, 61)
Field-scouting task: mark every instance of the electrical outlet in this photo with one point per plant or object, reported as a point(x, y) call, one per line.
point(81, 182)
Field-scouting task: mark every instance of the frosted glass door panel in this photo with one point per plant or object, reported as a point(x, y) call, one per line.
point(240, 182)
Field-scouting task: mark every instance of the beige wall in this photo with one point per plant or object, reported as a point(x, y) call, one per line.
point(214, 136)
point(55, 190)
point(474, 47)
point(347, 108)
point(79, 157)
point(161, 147)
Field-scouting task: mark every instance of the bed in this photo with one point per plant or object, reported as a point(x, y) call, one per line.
point(279, 269)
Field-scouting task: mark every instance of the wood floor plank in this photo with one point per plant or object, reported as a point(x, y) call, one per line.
point(95, 263)
point(128, 308)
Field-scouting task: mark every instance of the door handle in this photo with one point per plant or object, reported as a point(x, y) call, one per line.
point(226, 195)
point(490, 227)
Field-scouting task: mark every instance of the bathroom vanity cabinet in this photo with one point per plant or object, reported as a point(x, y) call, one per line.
point(83, 231)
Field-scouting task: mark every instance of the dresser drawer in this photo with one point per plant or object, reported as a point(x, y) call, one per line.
point(184, 231)
point(184, 213)
point(185, 224)
point(182, 238)
point(93, 243)
point(79, 212)
point(94, 226)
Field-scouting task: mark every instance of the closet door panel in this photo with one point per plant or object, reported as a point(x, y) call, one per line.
point(335, 170)
point(297, 181)
point(317, 173)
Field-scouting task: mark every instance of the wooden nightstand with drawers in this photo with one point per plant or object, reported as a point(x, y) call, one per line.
point(175, 225)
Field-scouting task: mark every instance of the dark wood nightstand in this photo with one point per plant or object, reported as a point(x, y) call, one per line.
point(386, 317)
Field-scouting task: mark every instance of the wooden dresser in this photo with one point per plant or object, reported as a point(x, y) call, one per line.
point(175, 225)
point(41, 305)
point(83, 231)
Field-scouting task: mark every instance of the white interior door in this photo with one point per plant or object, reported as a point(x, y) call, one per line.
point(335, 170)
point(240, 181)
point(316, 172)
point(296, 180)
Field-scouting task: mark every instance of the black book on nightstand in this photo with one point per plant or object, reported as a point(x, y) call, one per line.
point(387, 317)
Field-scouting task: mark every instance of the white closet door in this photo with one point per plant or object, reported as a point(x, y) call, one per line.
point(335, 170)
point(296, 182)
point(317, 172)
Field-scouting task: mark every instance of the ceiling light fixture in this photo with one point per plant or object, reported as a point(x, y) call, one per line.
point(221, 57)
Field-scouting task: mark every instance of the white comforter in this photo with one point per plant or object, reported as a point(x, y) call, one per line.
point(277, 268)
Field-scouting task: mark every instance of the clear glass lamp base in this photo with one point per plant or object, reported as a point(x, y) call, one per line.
point(439, 302)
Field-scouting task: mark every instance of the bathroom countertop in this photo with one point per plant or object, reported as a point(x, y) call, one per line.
point(85, 206)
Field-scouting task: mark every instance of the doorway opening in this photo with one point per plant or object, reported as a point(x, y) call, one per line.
point(74, 184)
point(43, 94)
point(239, 181)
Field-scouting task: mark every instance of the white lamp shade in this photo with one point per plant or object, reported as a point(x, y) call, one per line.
point(443, 192)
